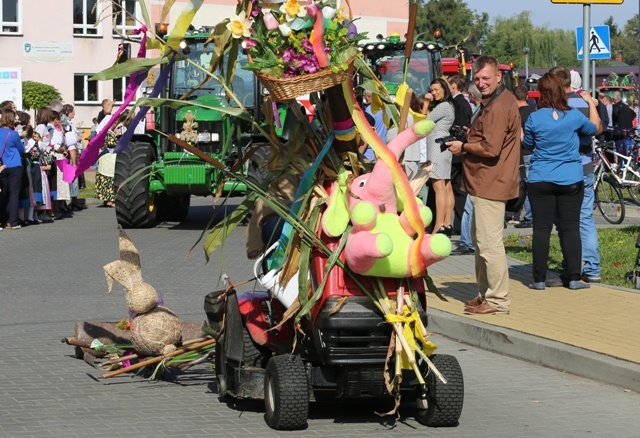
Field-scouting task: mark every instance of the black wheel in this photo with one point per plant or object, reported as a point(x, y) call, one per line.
point(172, 208)
point(221, 369)
point(135, 205)
point(634, 189)
point(443, 401)
point(286, 393)
point(253, 354)
point(608, 198)
point(258, 168)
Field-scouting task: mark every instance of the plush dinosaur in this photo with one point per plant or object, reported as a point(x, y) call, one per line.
point(382, 240)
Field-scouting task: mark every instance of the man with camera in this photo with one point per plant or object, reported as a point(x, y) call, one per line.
point(491, 157)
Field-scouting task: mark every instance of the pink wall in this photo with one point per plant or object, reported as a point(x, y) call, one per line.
point(93, 54)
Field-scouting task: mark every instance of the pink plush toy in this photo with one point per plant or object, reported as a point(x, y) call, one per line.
point(381, 240)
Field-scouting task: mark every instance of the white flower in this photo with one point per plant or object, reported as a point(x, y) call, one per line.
point(285, 30)
point(293, 9)
point(239, 26)
point(328, 12)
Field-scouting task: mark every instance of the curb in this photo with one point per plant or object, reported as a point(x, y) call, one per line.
point(541, 351)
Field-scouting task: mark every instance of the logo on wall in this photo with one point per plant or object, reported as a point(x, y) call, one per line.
point(27, 47)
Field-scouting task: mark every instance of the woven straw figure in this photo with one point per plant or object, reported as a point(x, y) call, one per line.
point(155, 330)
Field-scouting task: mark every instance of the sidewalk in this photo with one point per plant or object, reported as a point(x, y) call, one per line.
point(593, 333)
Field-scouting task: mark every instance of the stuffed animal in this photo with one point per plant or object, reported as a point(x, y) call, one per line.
point(155, 330)
point(382, 240)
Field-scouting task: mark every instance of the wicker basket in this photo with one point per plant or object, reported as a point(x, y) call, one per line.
point(290, 88)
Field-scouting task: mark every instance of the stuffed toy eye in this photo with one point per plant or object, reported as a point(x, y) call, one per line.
point(362, 183)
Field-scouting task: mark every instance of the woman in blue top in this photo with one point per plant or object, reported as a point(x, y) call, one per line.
point(11, 149)
point(555, 181)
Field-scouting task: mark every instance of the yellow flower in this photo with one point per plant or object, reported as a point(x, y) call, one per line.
point(293, 9)
point(239, 26)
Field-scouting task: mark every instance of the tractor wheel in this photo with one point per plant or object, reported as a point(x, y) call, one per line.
point(221, 369)
point(172, 208)
point(253, 354)
point(444, 401)
point(286, 393)
point(135, 205)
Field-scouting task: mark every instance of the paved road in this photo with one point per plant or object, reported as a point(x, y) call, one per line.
point(52, 277)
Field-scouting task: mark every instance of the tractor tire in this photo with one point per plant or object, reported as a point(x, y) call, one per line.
point(286, 393)
point(135, 205)
point(172, 208)
point(220, 365)
point(444, 401)
point(253, 355)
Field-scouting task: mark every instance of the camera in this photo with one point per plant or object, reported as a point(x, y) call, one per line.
point(455, 133)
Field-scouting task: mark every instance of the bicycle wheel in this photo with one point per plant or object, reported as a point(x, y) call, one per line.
point(634, 187)
point(609, 200)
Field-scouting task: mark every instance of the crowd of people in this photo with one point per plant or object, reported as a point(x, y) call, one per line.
point(32, 188)
point(508, 137)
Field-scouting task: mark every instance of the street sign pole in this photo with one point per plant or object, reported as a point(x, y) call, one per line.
point(586, 25)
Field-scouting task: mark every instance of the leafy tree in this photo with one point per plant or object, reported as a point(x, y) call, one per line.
point(37, 94)
point(625, 42)
point(455, 20)
point(509, 36)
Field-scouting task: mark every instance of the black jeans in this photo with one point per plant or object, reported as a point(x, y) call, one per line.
point(11, 181)
point(547, 198)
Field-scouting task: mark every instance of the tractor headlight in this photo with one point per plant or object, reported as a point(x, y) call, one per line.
point(204, 137)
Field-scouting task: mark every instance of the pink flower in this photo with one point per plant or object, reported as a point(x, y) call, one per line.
point(249, 43)
point(270, 21)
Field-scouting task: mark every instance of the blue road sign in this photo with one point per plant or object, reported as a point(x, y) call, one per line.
point(599, 42)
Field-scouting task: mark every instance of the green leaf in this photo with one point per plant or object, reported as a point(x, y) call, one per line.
point(126, 68)
point(431, 287)
point(331, 263)
point(177, 104)
point(145, 14)
point(223, 229)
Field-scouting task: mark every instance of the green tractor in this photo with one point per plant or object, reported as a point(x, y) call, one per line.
point(386, 57)
point(156, 178)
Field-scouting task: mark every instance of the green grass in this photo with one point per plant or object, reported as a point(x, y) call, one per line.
point(617, 252)
point(89, 192)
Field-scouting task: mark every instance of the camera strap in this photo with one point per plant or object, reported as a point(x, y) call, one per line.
point(489, 102)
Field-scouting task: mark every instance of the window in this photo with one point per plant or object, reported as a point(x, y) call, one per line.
point(125, 13)
point(120, 89)
point(10, 16)
point(85, 17)
point(84, 90)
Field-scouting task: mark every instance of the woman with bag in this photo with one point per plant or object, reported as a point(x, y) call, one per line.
point(555, 182)
point(11, 151)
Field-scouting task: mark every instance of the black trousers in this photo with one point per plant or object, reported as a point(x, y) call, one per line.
point(11, 180)
point(546, 199)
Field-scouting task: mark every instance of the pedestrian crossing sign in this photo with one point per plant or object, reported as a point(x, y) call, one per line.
point(599, 42)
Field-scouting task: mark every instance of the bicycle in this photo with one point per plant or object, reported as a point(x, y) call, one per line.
point(608, 196)
point(627, 172)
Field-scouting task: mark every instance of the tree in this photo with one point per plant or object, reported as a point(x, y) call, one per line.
point(36, 95)
point(625, 42)
point(509, 36)
point(455, 20)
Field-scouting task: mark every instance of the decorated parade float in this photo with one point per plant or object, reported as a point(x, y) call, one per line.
point(337, 308)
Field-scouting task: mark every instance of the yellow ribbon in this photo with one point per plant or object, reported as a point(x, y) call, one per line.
point(411, 330)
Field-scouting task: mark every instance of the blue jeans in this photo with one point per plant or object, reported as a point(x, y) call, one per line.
point(527, 206)
point(588, 233)
point(465, 224)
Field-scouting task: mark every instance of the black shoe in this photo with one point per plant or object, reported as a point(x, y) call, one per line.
point(463, 250)
point(524, 224)
point(75, 207)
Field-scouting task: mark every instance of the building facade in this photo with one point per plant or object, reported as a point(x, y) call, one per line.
point(64, 42)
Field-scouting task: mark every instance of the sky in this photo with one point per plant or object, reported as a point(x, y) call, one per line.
point(556, 16)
